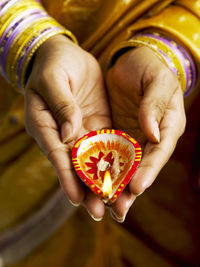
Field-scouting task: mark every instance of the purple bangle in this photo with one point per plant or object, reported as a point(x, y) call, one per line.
point(3, 3)
point(6, 5)
point(15, 23)
point(193, 72)
point(10, 40)
point(186, 61)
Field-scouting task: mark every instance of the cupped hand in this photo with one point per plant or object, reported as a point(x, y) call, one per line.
point(64, 99)
point(147, 103)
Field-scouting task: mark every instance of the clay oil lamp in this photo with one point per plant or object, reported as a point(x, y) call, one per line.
point(106, 160)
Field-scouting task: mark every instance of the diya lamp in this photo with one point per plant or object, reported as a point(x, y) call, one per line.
point(106, 160)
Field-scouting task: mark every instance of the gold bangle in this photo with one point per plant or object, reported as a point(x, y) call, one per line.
point(19, 7)
point(19, 47)
point(155, 45)
point(38, 44)
point(18, 52)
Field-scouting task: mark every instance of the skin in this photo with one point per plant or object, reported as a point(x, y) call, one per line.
point(65, 98)
point(147, 103)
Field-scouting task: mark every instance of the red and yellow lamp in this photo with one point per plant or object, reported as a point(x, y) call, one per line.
point(106, 160)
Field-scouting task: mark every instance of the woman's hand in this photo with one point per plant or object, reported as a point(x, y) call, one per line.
point(64, 99)
point(146, 102)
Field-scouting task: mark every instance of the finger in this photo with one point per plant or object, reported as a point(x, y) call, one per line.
point(56, 91)
point(156, 155)
point(73, 187)
point(41, 126)
point(158, 91)
point(121, 206)
point(94, 206)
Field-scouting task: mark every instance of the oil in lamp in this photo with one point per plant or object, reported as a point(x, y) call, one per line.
point(106, 160)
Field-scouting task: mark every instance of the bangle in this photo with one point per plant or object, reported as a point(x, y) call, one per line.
point(34, 45)
point(10, 43)
point(173, 54)
point(24, 26)
point(19, 40)
point(5, 5)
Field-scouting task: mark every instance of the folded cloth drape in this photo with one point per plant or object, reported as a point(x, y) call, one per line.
point(162, 229)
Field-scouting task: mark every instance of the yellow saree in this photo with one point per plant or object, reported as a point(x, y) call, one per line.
point(162, 228)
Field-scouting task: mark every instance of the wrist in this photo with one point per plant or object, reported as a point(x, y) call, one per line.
point(175, 56)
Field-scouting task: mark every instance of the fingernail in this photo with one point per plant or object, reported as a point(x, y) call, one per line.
point(156, 131)
point(117, 218)
point(93, 217)
point(66, 132)
point(96, 219)
point(74, 204)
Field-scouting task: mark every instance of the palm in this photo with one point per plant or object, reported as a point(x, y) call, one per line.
point(125, 108)
point(89, 94)
point(69, 89)
point(137, 102)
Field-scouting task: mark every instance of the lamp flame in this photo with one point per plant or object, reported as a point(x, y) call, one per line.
point(107, 184)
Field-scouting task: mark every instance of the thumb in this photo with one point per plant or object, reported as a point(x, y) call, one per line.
point(58, 95)
point(156, 97)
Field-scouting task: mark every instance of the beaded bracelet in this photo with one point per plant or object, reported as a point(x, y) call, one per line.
point(24, 26)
